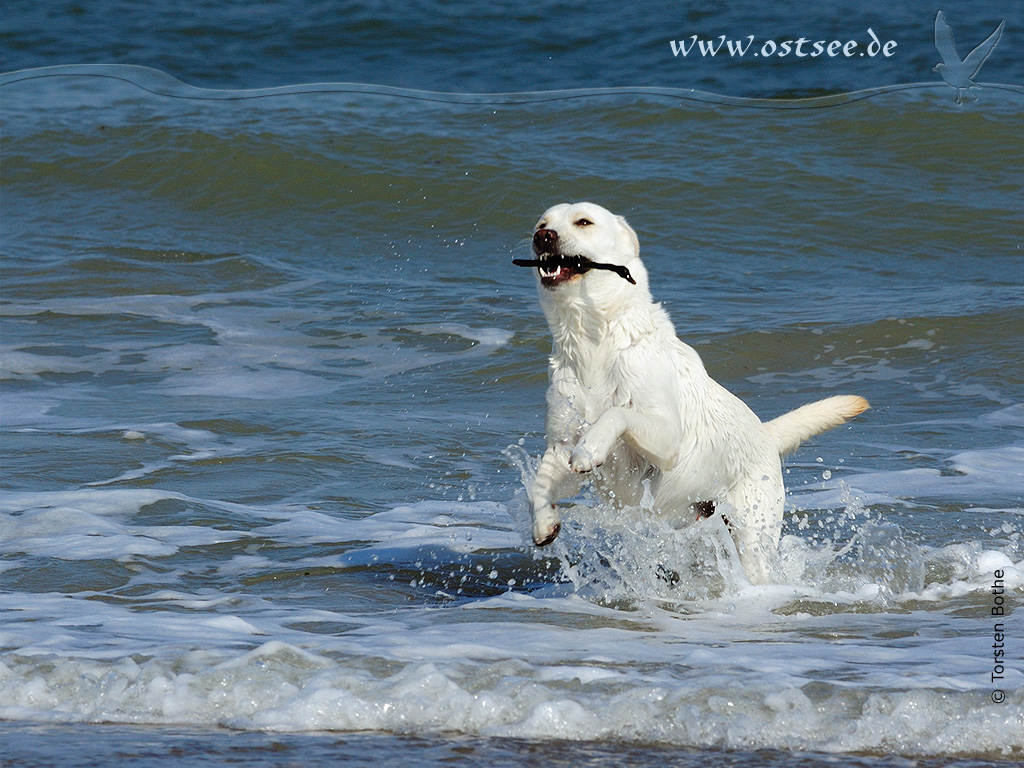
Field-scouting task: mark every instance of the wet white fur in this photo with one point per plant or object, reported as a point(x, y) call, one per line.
point(629, 402)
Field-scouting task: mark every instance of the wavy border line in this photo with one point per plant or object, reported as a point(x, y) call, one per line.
point(171, 87)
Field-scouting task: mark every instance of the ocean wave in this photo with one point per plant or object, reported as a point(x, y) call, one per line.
point(161, 84)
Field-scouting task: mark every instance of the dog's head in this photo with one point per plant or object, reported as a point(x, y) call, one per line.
point(578, 242)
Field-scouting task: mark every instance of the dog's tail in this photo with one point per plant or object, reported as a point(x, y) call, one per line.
point(791, 429)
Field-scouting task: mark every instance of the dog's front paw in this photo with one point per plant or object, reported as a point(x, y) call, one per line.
point(543, 538)
point(581, 460)
point(596, 445)
point(546, 525)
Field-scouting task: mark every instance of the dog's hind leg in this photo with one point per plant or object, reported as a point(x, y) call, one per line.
point(755, 521)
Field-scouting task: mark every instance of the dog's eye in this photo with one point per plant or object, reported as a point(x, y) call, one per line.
point(542, 225)
point(583, 222)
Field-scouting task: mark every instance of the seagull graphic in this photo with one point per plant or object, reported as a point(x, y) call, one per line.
point(957, 72)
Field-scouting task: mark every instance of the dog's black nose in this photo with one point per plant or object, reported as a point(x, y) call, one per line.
point(544, 240)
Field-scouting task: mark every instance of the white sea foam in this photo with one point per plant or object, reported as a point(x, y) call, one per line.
point(736, 667)
point(94, 525)
point(968, 477)
point(1012, 416)
point(590, 684)
point(241, 341)
point(487, 337)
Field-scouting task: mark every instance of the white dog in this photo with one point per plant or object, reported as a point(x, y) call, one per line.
point(628, 397)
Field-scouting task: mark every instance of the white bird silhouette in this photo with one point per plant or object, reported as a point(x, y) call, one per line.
point(957, 72)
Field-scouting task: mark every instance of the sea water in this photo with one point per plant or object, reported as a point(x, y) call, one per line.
point(272, 394)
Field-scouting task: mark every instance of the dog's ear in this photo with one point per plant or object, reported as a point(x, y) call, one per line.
point(633, 239)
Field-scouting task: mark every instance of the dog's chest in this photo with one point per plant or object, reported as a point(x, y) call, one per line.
point(592, 388)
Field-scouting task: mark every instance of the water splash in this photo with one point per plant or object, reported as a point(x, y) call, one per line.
point(845, 558)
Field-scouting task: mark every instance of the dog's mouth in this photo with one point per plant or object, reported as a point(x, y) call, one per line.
point(556, 269)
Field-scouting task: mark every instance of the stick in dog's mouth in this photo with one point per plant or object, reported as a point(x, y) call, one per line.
point(576, 264)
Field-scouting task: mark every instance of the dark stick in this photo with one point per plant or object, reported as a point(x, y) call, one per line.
point(579, 263)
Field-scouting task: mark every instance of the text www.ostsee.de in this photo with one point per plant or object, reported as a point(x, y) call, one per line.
point(800, 48)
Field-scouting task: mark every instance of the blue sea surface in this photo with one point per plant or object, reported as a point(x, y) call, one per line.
point(506, 46)
point(271, 390)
